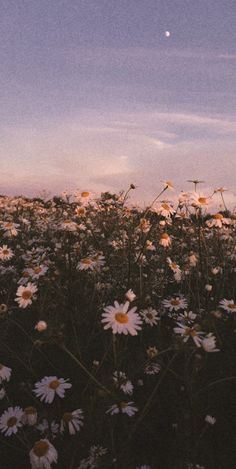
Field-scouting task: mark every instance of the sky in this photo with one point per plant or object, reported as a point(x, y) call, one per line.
point(95, 96)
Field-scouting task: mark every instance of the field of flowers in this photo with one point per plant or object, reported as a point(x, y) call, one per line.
point(117, 332)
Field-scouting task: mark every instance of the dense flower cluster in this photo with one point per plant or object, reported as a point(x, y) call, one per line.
point(116, 322)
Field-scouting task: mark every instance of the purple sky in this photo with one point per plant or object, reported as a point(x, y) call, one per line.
point(95, 96)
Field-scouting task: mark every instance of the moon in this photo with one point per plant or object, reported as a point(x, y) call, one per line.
point(167, 33)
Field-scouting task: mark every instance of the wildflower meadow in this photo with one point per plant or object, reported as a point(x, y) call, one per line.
point(117, 331)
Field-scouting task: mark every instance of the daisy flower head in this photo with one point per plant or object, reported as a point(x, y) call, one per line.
point(10, 420)
point(175, 303)
point(121, 381)
point(209, 419)
point(42, 455)
point(186, 332)
point(123, 408)
point(26, 294)
point(228, 305)
point(152, 368)
point(121, 320)
point(30, 416)
point(165, 240)
point(199, 200)
point(130, 295)
point(217, 221)
point(49, 386)
point(5, 253)
point(209, 343)
point(84, 197)
point(73, 421)
point(38, 271)
point(150, 316)
point(5, 373)
point(165, 210)
point(10, 229)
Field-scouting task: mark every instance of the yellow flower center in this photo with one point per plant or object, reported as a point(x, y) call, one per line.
point(8, 226)
point(25, 274)
point(175, 302)
point(54, 384)
point(26, 295)
point(11, 422)
point(66, 222)
point(232, 305)
point(86, 261)
point(40, 448)
point(218, 216)
point(165, 206)
point(123, 405)
point(6, 252)
point(149, 315)
point(37, 270)
point(122, 318)
point(202, 200)
point(164, 236)
point(67, 417)
point(85, 194)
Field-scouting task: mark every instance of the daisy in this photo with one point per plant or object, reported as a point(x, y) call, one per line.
point(5, 253)
point(10, 420)
point(150, 316)
point(120, 320)
point(42, 455)
point(173, 266)
point(121, 381)
point(123, 408)
point(5, 373)
point(209, 419)
point(26, 294)
point(38, 271)
point(68, 225)
point(200, 200)
point(49, 386)
point(209, 343)
point(228, 305)
point(186, 332)
point(165, 240)
point(218, 221)
point(175, 303)
point(144, 225)
point(10, 229)
point(72, 420)
point(149, 246)
point(84, 196)
point(87, 263)
point(41, 326)
point(130, 295)
point(165, 209)
point(30, 416)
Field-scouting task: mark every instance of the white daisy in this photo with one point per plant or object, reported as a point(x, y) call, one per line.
point(38, 271)
point(72, 420)
point(165, 240)
point(123, 408)
point(186, 332)
point(120, 320)
point(30, 416)
point(228, 305)
point(26, 294)
point(121, 381)
point(5, 253)
point(150, 316)
point(42, 455)
point(209, 343)
point(218, 220)
point(165, 209)
point(209, 419)
point(49, 386)
point(10, 420)
point(5, 373)
point(175, 303)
